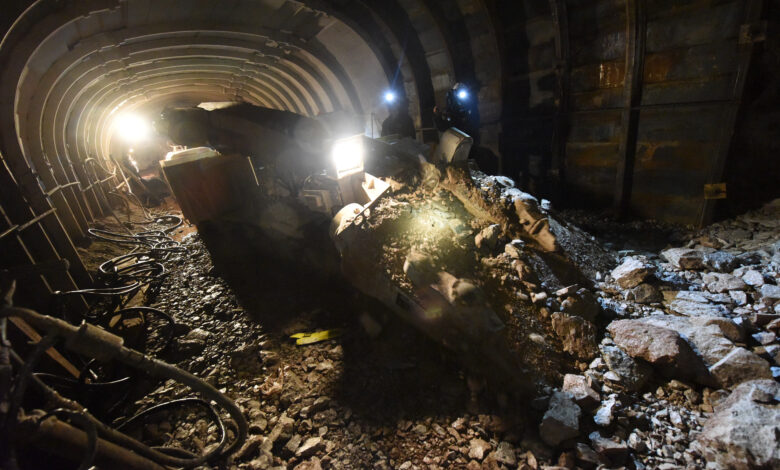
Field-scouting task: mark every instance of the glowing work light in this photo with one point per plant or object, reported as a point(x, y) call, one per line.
point(347, 155)
point(389, 97)
point(131, 127)
point(462, 94)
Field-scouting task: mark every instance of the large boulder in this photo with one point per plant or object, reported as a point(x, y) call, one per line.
point(705, 334)
point(744, 432)
point(561, 421)
point(712, 339)
point(661, 347)
point(631, 273)
point(577, 335)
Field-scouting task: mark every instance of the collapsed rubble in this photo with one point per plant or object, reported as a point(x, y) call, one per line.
point(556, 351)
point(648, 389)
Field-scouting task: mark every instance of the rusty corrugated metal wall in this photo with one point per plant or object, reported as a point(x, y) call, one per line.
point(630, 103)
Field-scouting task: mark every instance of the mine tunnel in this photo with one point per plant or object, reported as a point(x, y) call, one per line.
point(393, 234)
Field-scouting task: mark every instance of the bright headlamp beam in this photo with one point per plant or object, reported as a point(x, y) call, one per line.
point(347, 155)
point(131, 128)
point(463, 94)
point(389, 97)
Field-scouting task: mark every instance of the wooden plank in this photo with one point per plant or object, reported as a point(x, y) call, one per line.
point(30, 332)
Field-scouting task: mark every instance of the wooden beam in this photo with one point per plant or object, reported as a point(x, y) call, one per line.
point(33, 335)
point(636, 34)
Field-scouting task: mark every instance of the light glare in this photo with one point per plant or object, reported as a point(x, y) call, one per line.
point(463, 94)
point(347, 155)
point(389, 96)
point(131, 128)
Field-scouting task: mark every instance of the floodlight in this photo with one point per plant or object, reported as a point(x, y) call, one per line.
point(347, 155)
point(131, 127)
point(389, 97)
point(463, 94)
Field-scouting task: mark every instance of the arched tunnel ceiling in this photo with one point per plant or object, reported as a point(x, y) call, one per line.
point(70, 67)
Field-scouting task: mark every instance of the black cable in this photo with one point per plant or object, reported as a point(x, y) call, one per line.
point(157, 312)
point(91, 431)
point(19, 387)
point(93, 341)
point(176, 403)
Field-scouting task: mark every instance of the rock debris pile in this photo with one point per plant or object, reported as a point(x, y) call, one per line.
point(635, 359)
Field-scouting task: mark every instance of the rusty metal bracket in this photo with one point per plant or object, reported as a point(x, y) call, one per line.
point(750, 33)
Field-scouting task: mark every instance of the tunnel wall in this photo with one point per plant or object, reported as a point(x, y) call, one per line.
point(578, 131)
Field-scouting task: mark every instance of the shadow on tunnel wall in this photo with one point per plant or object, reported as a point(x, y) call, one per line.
point(753, 167)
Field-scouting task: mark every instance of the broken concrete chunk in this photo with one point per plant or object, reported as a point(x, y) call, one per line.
point(684, 258)
point(578, 387)
point(577, 334)
point(743, 432)
point(631, 273)
point(739, 366)
point(561, 421)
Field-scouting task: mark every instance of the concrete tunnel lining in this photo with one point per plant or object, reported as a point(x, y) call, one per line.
point(104, 18)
